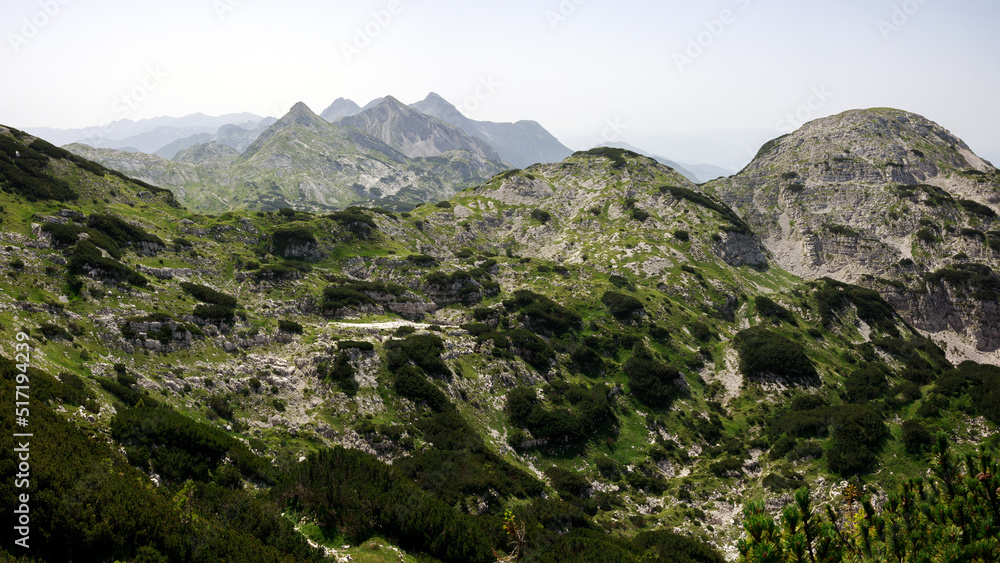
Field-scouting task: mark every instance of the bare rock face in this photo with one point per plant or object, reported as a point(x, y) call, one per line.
point(964, 299)
point(871, 195)
point(738, 249)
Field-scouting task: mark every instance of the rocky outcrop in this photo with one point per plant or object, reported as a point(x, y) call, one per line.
point(738, 249)
point(870, 194)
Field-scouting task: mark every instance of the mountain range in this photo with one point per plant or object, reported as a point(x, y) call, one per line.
point(592, 359)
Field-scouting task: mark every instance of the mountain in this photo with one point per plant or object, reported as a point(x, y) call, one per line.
point(708, 172)
point(237, 136)
point(730, 149)
point(415, 134)
point(303, 161)
point(146, 135)
point(522, 143)
point(340, 107)
point(888, 199)
point(372, 104)
point(169, 150)
point(240, 137)
point(590, 360)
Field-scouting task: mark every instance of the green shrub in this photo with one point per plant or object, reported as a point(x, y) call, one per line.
point(976, 208)
point(533, 349)
point(916, 438)
point(682, 236)
point(356, 222)
point(409, 382)
point(423, 350)
point(208, 295)
point(219, 404)
point(121, 230)
point(357, 345)
point(841, 230)
point(736, 223)
point(422, 259)
point(621, 282)
point(701, 331)
point(542, 314)
point(763, 352)
point(615, 155)
point(768, 309)
point(866, 383)
point(652, 382)
point(29, 174)
point(588, 411)
point(178, 447)
point(567, 483)
point(86, 257)
point(289, 326)
point(541, 215)
point(927, 236)
point(832, 296)
point(211, 312)
point(361, 496)
point(286, 237)
point(621, 306)
point(980, 279)
point(52, 331)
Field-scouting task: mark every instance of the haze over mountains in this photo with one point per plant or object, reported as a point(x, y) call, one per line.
point(520, 144)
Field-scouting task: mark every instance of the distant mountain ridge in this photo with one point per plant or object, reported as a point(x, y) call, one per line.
point(413, 133)
point(522, 143)
point(305, 162)
point(697, 173)
point(147, 135)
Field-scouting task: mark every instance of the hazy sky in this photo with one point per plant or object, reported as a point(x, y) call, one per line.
point(630, 70)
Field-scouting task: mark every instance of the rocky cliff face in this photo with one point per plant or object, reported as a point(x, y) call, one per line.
point(872, 194)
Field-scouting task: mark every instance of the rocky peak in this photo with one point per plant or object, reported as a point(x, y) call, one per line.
point(441, 108)
point(300, 114)
point(415, 134)
point(341, 107)
point(869, 195)
point(522, 143)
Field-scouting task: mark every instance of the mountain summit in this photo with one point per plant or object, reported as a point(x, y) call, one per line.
point(885, 198)
point(341, 107)
point(522, 143)
point(416, 134)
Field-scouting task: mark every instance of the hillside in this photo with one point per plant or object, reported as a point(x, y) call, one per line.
point(589, 360)
point(889, 200)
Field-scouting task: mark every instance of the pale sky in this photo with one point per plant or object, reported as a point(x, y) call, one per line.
point(629, 70)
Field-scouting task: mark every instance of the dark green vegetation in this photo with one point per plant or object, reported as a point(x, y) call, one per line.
point(765, 353)
point(88, 502)
point(736, 224)
point(832, 296)
point(26, 171)
point(566, 386)
point(949, 517)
